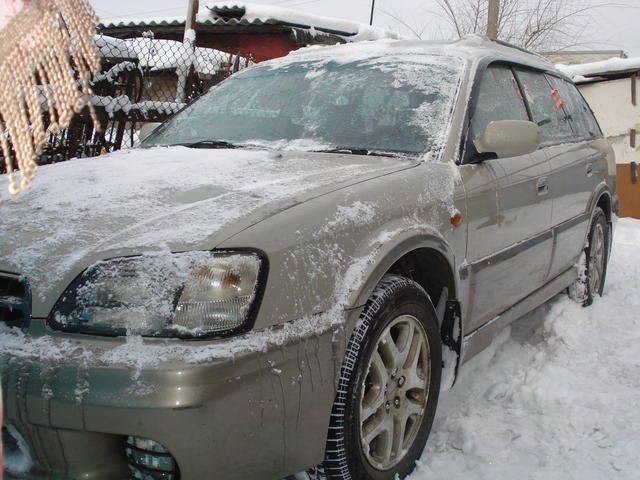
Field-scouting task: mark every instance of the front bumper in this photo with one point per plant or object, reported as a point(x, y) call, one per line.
point(262, 414)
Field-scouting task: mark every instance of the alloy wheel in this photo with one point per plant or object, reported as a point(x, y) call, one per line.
point(597, 255)
point(395, 392)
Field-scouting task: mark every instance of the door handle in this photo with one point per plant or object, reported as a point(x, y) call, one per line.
point(634, 172)
point(589, 169)
point(542, 186)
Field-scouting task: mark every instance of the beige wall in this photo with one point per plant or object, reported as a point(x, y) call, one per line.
point(611, 102)
point(572, 58)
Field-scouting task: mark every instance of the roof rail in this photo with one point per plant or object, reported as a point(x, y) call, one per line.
point(511, 45)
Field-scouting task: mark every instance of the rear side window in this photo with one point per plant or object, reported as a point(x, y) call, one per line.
point(576, 108)
point(499, 98)
point(546, 107)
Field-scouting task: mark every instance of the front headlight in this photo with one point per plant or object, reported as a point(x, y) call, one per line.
point(192, 294)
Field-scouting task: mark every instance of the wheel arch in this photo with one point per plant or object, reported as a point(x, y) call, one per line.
point(425, 258)
point(602, 198)
point(605, 202)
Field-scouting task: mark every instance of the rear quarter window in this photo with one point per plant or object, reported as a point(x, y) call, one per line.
point(546, 109)
point(576, 108)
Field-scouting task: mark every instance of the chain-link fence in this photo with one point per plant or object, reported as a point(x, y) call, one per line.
point(142, 79)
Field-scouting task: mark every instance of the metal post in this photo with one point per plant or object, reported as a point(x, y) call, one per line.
point(189, 43)
point(373, 7)
point(493, 13)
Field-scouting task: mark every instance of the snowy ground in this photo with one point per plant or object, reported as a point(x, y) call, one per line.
point(557, 396)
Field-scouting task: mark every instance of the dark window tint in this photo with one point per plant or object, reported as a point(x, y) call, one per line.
point(499, 98)
point(576, 108)
point(546, 107)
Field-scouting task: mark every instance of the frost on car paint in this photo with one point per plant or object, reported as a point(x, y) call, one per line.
point(71, 211)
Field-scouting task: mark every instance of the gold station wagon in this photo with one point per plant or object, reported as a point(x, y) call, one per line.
point(285, 274)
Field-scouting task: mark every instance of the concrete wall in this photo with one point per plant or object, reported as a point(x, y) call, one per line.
point(611, 102)
point(574, 57)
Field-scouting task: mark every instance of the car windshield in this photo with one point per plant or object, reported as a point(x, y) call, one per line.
point(390, 104)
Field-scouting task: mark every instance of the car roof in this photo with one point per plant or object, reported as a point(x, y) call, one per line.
point(472, 48)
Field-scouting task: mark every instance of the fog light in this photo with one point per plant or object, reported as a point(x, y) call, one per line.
point(149, 460)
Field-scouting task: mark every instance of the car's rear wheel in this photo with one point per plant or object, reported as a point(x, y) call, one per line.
point(594, 262)
point(389, 386)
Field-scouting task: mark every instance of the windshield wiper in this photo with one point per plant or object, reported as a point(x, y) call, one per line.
point(363, 151)
point(207, 144)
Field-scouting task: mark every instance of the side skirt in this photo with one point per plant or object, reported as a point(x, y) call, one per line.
point(479, 339)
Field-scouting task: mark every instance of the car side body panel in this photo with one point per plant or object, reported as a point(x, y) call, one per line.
point(397, 213)
point(510, 258)
point(576, 171)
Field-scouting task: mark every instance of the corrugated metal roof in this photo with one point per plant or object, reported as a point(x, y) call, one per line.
point(177, 22)
point(218, 22)
point(143, 22)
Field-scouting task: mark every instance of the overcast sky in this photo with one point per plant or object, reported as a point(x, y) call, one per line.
point(610, 27)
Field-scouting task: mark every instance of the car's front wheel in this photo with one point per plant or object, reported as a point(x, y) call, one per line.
point(389, 386)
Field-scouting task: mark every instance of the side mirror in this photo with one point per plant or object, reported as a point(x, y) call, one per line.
point(147, 129)
point(509, 138)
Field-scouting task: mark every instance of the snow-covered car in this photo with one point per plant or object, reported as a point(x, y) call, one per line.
point(287, 271)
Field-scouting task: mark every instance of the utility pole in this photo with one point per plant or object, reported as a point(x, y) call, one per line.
point(373, 7)
point(493, 14)
point(185, 68)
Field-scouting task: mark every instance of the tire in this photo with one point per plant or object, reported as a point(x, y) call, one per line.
point(399, 309)
point(593, 263)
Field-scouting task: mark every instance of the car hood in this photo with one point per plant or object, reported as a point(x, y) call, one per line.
point(154, 200)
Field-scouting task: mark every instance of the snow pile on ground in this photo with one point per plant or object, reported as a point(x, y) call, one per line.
point(580, 72)
point(557, 396)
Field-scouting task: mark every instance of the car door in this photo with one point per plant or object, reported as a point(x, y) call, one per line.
point(577, 166)
point(508, 251)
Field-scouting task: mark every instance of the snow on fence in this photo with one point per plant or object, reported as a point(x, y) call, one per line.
point(138, 83)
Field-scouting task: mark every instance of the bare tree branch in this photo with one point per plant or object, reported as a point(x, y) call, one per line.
point(533, 24)
point(417, 32)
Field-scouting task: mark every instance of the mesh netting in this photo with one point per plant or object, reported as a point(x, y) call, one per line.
point(142, 79)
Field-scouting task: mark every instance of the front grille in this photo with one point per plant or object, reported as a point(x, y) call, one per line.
point(15, 300)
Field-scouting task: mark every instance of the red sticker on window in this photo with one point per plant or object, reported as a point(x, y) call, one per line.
point(557, 99)
point(517, 89)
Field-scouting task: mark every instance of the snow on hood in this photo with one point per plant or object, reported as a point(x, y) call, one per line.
point(155, 200)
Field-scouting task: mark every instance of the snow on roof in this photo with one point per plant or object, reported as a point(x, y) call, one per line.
point(588, 72)
point(241, 13)
point(109, 47)
point(169, 54)
point(143, 22)
point(471, 48)
point(267, 14)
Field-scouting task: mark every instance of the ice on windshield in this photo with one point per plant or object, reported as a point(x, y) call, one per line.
point(398, 104)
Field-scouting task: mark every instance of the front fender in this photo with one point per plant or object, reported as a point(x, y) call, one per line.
point(389, 246)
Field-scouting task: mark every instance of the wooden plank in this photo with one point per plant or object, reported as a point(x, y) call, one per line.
point(629, 192)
